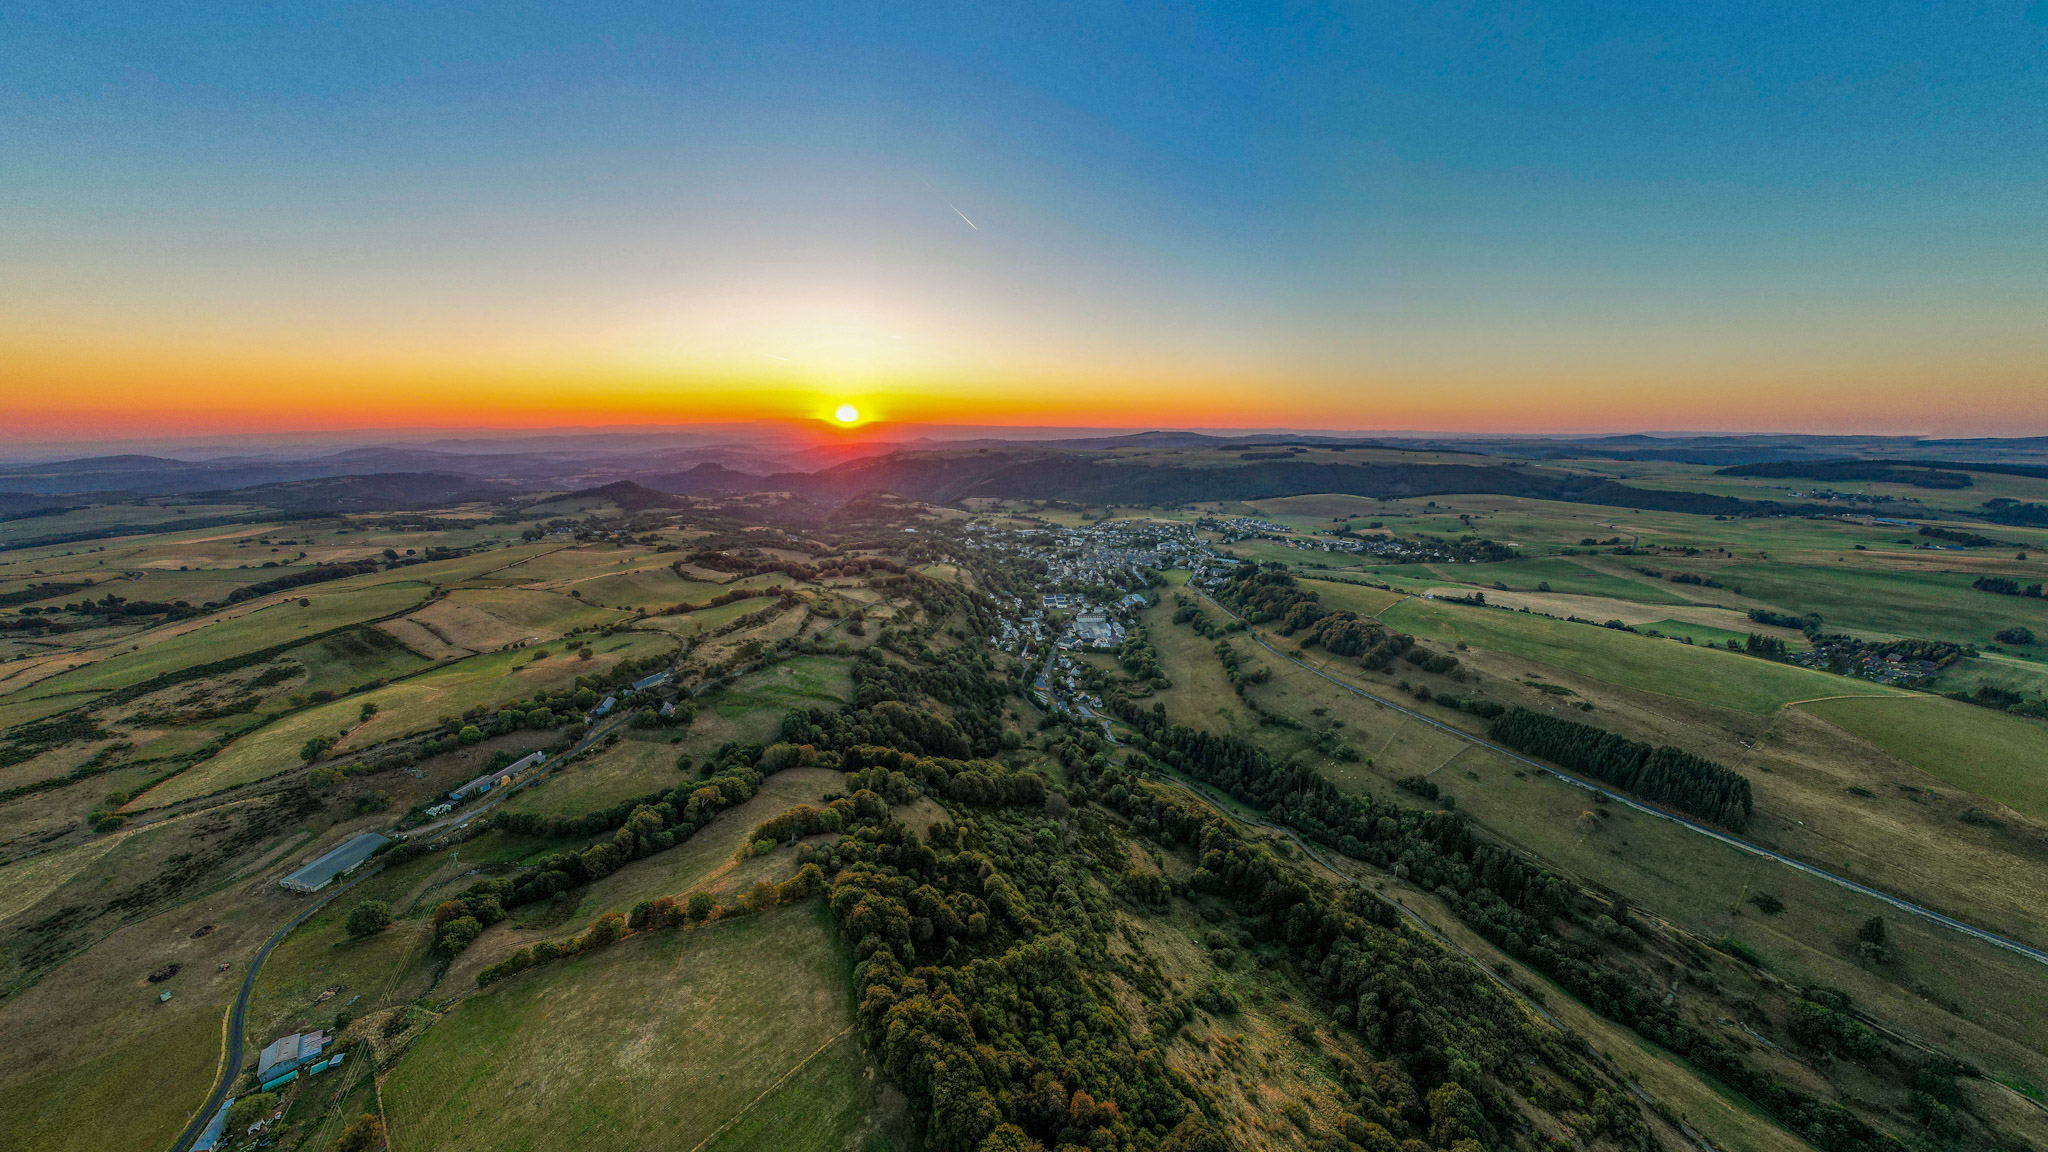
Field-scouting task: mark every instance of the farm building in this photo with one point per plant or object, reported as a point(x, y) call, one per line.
point(499, 777)
point(209, 1137)
point(319, 873)
point(287, 1054)
point(654, 681)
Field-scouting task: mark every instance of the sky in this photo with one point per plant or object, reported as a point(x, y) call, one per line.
point(225, 217)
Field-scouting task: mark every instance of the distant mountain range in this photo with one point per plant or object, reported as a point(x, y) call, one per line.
point(1080, 468)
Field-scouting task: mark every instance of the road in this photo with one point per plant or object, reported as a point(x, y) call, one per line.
point(231, 1064)
point(1732, 841)
point(231, 1052)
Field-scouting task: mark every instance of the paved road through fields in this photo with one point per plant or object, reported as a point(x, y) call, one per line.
point(1732, 841)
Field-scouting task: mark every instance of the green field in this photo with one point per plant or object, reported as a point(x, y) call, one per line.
point(1697, 633)
point(532, 608)
point(352, 658)
point(330, 607)
point(1990, 753)
point(630, 768)
point(1727, 679)
point(138, 1094)
point(654, 1043)
point(1563, 574)
point(408, 706)
point(645, 588)
point(1933, 605)
point(1353, 597)
point(710, 860)
point(801, 682)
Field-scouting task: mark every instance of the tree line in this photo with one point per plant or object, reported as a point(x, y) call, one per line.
point(1512, 901)
point(1690, 783)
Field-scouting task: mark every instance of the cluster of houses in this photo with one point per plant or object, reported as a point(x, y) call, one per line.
point(1093, 629)
point(1848, 655)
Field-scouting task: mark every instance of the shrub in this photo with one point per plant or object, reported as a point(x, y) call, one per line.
point(364, 1134)
point(249, 1109)
point(367, 919)
point(606, 931)
point(808, 882)
point(458, 934)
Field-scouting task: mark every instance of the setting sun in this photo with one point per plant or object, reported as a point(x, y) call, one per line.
point(846, 414)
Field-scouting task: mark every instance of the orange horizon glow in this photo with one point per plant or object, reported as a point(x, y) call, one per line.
point(86, 397)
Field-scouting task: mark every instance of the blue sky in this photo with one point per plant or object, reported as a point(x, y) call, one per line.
point(1568, 215)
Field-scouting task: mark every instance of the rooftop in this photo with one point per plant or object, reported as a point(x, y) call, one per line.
point(350, 853)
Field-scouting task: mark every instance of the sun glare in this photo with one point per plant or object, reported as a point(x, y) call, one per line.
point(846, 414)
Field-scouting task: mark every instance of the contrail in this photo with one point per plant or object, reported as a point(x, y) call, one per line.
point(948, 203)
point(773, 356)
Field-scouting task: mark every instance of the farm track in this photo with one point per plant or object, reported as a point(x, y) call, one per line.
point(1736, 842)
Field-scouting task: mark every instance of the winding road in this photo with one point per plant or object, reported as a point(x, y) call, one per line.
point(231, 1049)
point(1732, 841)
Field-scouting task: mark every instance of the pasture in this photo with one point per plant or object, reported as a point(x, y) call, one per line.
point(405, 707)
point(236, 632)
point(800, 682)
point(1566, 574)
point(1934, 605)
point(1725, 679)
point(654, 1043)
point(1992, 754)
point(632, 767)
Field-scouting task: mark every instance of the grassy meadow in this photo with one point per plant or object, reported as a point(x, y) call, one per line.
point(1991, 754)
point(658, 1042)
point(408, 706)
point(1726, 679)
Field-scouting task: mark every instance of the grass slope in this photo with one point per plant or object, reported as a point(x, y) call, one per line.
point(652, 1044)
point(488, 680)
point(1990, 753)
point(252, 630)
point(1727, 679)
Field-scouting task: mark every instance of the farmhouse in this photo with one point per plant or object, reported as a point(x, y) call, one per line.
point(287, 1054)
point(320, 872)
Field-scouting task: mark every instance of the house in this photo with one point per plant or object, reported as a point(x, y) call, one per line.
point(654, 681)
point(604, 707)
point(344, 858)
point(288, 1053)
